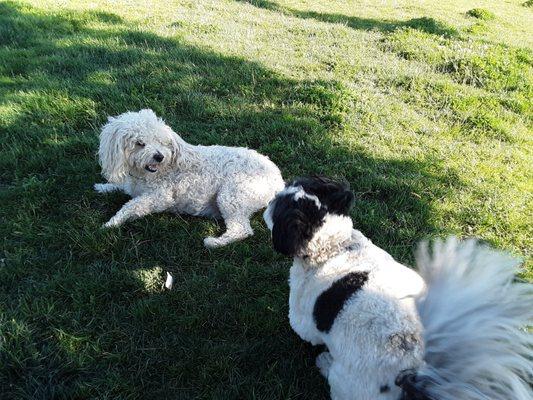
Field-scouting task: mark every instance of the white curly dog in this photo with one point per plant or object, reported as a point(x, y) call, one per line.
point(141, 156)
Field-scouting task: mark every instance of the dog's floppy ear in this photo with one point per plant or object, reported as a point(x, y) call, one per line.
point(176, 149)
point(182, 153)
point(291, 233)
point(111, 152)
point(294, 225)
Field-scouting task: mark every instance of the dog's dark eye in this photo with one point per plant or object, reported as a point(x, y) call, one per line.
point(139, 143)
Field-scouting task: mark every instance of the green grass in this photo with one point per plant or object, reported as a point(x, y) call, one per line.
point(481, 13)
point(428, 117)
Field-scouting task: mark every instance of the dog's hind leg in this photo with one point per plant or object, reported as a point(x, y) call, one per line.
point(236, 207)
point(237, 228)
point(237, 202)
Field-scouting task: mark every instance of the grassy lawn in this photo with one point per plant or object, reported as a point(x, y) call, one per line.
point(424, 107)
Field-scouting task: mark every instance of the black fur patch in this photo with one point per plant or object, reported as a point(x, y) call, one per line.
point(414, 386)
point(330, 302)
point(295, 222)
point(384, 389)
point(335, 196)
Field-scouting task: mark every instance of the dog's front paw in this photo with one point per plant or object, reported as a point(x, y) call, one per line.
point(323, 362)
point(100, 187)
point(110, 224)
point(212, 242)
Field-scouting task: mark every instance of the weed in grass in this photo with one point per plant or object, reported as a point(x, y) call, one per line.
point(481, 13)
point(477, 28)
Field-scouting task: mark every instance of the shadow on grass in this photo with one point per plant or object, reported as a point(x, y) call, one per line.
point(425, 24)
point(85, 316)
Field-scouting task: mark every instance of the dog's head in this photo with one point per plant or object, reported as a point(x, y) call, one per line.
point(310, 217)
point(137, 142)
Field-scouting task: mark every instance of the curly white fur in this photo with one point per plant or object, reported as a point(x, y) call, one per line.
point(456, 331)
point(377, 333)
point(141, 156)
point(464, 331)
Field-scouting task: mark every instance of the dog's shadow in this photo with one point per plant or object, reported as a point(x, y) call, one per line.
point(88, 315)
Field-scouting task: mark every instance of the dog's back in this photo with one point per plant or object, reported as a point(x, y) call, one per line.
point(346, 292)
point(375, 337)
point(360, 307)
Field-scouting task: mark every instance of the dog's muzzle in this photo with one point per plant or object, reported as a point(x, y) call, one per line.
point(153, 167)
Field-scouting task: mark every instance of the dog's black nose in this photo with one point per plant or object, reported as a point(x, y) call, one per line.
point(158, 157)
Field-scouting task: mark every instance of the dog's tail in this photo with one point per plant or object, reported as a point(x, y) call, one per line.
point(475, 320)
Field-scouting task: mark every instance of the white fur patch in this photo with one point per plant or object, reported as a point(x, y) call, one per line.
point(329, 238)
point(301, 194)
point(298, 193)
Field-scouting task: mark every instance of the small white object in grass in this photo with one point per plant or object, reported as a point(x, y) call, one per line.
point(169, 282)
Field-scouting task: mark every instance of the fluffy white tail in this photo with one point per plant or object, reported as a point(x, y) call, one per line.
point(475, 320)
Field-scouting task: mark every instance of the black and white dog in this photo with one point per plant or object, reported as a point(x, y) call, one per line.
point(453, 332)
